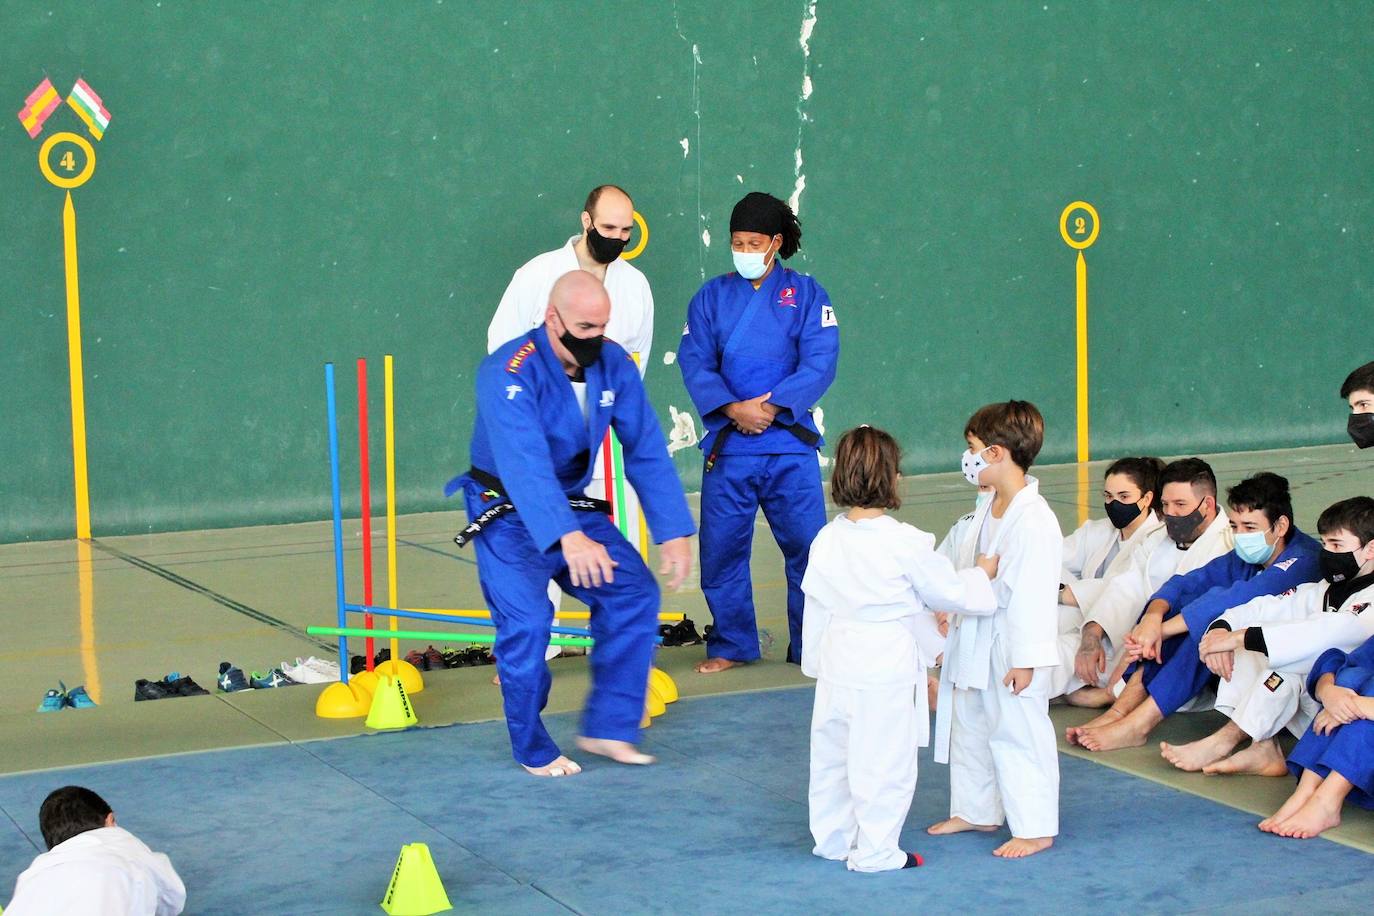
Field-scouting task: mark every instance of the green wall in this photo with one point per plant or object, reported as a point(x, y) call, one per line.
point(287, 183)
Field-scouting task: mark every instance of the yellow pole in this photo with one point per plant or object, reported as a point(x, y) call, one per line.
point(74, 372)
point(1083, 450)
point(86, 588)
point(390, 503)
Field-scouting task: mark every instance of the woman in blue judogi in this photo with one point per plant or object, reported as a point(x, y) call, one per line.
point(759, 350)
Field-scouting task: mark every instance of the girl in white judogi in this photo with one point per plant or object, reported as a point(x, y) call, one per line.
point(867, 639)
point(992, 723)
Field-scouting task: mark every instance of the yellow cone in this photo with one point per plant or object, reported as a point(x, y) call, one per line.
point(663, 685)
point(410, 675)
point(390, 705)
point(415, 888)
point(653, 703)
point(343, 701)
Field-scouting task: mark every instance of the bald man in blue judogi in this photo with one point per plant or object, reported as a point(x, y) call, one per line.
point(544, 402)
point(759, 350)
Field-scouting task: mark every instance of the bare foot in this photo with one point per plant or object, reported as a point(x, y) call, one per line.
point(496, 679)
point(560, 767)
point(1092, 697)
point(1200, 754)
point(1294, 804)
point(1019, 848)
point(619, 751)
point(1262, 758)
point(1111, 737)
point(1074, 734)
point(714, 665)
point(1310, 820)
point(958, 825)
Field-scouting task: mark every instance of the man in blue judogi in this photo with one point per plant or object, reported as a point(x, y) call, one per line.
point(759, 350)
point(544, 402)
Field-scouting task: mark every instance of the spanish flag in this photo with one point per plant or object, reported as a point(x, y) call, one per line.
point(42, 102)
point(87, 104)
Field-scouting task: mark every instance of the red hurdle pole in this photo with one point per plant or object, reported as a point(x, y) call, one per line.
point(365, 491)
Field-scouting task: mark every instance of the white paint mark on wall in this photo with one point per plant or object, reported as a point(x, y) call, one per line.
point(706, 237)
point(808, 26)
point(684, 431)
point(669, 357)
point(686, 146)
point(740, 179)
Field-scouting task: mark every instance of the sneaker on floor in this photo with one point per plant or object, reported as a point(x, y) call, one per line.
point(357, 664)
point(452, 658)
point(302, 673)
point(414, 657)
point(231, 679)
point(383, 655)
point(434, 659)
point(150, 690)
point(330, 669)
point(78, 698)
point(181, 685)
point(273, 678)
point(53, 701)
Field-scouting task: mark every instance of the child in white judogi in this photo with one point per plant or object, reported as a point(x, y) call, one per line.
point(867, 639)
point(993, 724)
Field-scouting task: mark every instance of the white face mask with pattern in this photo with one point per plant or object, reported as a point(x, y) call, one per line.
point(973, 464)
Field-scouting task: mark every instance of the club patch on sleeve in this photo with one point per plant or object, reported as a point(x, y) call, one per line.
point(1273, 681)
point(828, 317)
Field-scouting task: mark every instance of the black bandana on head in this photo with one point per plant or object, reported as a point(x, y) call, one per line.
point(759, 212)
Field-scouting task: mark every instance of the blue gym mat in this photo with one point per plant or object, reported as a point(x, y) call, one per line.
point(719, 825)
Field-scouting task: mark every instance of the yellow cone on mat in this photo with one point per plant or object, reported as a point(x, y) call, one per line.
point(663, 685)
point(343, 701)
point(415, 888)
point(410, 675)
point(653, 703)
point(390, 706)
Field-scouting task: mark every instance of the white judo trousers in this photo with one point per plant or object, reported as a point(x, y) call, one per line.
point(868, 637)
point(1001, 749)
point(522, 307)
point(1263, 701)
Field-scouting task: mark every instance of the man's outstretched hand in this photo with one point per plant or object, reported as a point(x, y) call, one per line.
point(675, 558)
point(588, 562)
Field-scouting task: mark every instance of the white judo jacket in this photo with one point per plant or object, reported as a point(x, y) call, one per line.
point(869, 585)
point(101, 872)
point(1025, 623)
point(1298, 628)
point(1088, 546)
point(527, 298)
point(1153, 563)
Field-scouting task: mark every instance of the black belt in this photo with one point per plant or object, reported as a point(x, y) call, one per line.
point(806, 436)
point(504, 506)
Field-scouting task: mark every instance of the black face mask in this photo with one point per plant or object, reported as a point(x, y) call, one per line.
point(585, 350)
point(1182, 527)
point(1338, 567)
point(602, 249)
point(1360, 426)
point(1122, 514)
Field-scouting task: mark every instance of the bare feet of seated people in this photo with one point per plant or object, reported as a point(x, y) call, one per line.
point(1295, 802)
point(1107, 717)
point(716, 665)
point(619, 751)
point(1312, 819)
point(1020, 847)
point(561, 766)
point(1090, 697)
point(1261, 758)
point(1125, 732)
point(958, 825)
point(1200, 754)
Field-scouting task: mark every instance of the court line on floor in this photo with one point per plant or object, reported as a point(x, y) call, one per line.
point(237, 607)
point(22, 832)
point(442, 553)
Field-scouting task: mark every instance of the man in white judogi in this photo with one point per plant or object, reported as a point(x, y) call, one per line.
point(607, 219)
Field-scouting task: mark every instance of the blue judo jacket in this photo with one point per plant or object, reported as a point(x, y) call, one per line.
point(1206, 593)
point(739, 343)
point(530, 433)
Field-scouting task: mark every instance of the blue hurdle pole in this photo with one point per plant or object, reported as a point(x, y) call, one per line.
point(338, 517)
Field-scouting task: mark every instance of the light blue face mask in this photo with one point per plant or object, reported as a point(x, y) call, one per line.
point(981, 499)
point(750, 264)
point(1252, 547)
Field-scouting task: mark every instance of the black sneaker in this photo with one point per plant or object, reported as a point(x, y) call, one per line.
point(452, 658)
point(150, 690)
point(478, 656)
point(682, 633)
point(180, 685)
point(357, 664)
point(383, 655)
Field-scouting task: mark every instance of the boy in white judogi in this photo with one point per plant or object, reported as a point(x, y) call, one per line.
point(867, 639)
point(993, 725)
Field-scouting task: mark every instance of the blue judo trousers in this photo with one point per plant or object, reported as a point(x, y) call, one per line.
point(740, 343)
point(1202, 596)
point(1349, 750)
point(531, 435)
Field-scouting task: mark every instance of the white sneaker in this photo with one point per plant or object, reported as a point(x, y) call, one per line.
point(329, 669)
point(302, 672)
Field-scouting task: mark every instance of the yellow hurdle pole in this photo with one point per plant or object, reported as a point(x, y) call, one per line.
point(1082, 399)
point(391, 587)
point(74, 371)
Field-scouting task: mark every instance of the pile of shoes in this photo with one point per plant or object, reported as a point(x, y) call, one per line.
point(431, 659)
point(682, 633)
point(471, 657)
point(173, 685)
point(358, 663)
point(62, 698)
point(312, 670)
